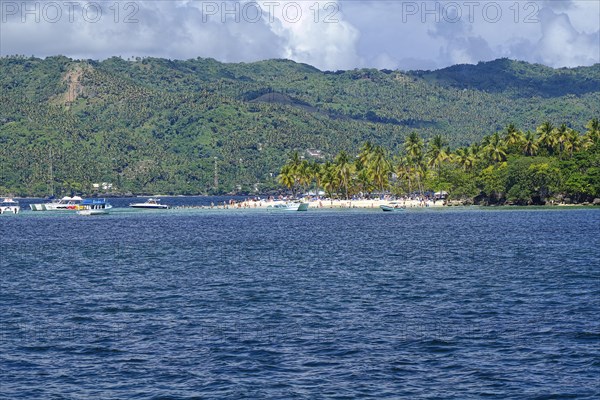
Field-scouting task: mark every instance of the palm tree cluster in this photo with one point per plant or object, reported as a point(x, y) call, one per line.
point(369, 170)
point(420, 164)
point(548, 140)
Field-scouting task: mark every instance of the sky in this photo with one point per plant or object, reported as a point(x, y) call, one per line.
point(330, 35)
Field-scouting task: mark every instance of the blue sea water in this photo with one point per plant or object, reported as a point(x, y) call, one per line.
point(181, 304)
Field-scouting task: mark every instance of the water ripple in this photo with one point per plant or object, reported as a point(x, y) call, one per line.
point(351, 305)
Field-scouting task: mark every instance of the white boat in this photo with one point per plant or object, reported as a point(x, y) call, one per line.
point(289, 206)
point(392, 206)
point(150, 203)
point(65, 204)
point(94, 207)
point(9, 206)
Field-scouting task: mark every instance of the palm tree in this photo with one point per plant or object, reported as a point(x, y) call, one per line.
point(414, 153)
point(329, 178)
point(485, 141)
point(403, 171)
point(379, 167)
point(420, 171)
point(573, 142)
point(294, 172)
point(295, 160)
point(344, 170)
point(594, 127)
point(593, 133)
point(436, 153)
point(365, 153)
point(317, 173)
point(465, 158)
point(562, 134)
point(413, 146)
point(364, 181)
point(362, 174)
point(530, 144)
point(304, 174)
point(476, 150)
point(495, 148)
point(546, 136)
point(513, 138)
point(587, 141)
point(287, 177)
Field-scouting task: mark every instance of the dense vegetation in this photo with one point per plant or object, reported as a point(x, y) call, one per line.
point(200, 126)
point(554, 164)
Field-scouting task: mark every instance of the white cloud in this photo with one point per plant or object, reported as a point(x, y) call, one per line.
point(315, 32)
point(382, 34)
point(558, 43)
point(162, 29)
point(562, 45)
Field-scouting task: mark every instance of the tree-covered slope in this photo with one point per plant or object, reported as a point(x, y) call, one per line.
point(517, 78)
point(156, 125)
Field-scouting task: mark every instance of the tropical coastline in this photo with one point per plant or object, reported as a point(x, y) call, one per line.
point(263, 228)
point(259, 203)
point(205, 127)
point(554, 165)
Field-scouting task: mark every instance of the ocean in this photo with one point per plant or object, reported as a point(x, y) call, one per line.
point(454, 303)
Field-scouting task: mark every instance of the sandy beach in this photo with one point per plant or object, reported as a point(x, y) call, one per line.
point(325, 204)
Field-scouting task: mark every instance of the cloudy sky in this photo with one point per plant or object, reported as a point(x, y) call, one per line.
point(337, 34)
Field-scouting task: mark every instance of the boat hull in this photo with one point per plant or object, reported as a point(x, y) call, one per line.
point(64, 204)
point(303, 207)
point(150, 204)
point(92, 212)
point(150, 207)
point(49, 207)
point(94, 207)
point(289, 207)
point(9, 206)
point(391, 209)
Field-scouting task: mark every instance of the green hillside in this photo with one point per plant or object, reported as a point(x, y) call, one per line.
point(164, 126)
point(517, 78)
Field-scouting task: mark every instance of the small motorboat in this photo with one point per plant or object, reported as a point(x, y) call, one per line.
point(392, 206)
point(9, 206)
point(289, 206)
point(94, 207)
point(150, 204)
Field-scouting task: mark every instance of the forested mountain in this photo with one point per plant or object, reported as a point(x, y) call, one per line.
point(165, 126)
point(517, 78)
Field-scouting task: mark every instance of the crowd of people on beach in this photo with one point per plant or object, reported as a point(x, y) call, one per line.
point(250, 202)
point(357, 201)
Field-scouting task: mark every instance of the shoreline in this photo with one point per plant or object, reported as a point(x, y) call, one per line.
point(373, 204)
point(321, 204)
point(239, 202)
